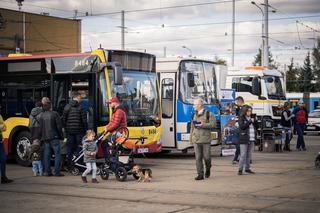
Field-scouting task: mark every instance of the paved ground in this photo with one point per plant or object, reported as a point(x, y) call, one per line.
point(285, 182)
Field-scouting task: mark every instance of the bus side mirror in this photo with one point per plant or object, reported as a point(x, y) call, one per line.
point(190, 79)
point(117, 71)
point(256, 88)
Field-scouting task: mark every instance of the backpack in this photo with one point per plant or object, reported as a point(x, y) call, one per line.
point(301, 116)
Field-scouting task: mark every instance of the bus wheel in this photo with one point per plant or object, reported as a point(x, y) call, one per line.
point(22, 148)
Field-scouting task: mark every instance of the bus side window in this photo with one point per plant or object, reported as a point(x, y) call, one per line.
point(167, 97)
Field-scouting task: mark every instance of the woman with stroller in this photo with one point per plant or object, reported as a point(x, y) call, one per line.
point(247, 126)
point(90, 151)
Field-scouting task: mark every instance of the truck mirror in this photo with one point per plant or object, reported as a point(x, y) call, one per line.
point(269, 79)
point(117, 71)
point(190, 79)
point(256, 89)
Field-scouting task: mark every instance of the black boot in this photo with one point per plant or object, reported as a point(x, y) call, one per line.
point(5, 180)
point(199, 177)
point(207, 174)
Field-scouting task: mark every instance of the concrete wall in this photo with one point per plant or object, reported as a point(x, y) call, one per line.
point(43, 34)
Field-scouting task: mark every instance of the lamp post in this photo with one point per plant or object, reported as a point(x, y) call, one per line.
point(190, 52)
point(265, 33)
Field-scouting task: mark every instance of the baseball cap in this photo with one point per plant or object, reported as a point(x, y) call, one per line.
point(113, 100)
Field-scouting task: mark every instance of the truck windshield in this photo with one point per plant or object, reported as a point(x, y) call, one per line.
point(139, 96)
point(204, 79)
point(275, 88)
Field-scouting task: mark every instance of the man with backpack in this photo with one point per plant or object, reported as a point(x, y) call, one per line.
point(75, 123)
point(301, 119)
point(200, 136)
point(34, 122)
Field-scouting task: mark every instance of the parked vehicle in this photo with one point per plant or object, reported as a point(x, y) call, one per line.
point(314, 122)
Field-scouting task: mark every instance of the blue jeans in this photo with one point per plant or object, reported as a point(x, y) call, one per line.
point(300, 131)
point(245, 155)
point(37, 167)
point(73, 146)
point(3, 159)
point(55, 145)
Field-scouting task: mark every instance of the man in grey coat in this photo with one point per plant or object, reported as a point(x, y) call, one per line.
point(200, 136)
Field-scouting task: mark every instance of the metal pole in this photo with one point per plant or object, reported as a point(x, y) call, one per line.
point(233, 30)
point(122, 30)
point(266, 35)
point(164, 51)
point(24, 31)
point(263, 44)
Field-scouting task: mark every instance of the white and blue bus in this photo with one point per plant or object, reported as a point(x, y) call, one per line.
point(182, 81)
point(313, 102)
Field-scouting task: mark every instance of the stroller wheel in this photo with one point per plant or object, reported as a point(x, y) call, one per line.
point(135, 176)
point(75, 171)
point(104, 173)
point(121, 174)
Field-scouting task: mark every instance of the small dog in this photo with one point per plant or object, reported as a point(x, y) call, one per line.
point(144, 174)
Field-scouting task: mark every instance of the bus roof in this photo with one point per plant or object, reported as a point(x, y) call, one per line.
point(254, 72)
point(44, 56)
point(173, 63)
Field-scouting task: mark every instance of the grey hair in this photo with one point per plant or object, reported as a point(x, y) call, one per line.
point(198, 101)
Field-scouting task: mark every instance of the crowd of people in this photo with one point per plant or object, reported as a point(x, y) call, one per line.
point(48, 130)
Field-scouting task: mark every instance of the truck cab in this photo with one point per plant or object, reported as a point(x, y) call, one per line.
point(261, 88)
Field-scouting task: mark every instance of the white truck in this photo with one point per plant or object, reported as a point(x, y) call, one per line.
point(263, 89)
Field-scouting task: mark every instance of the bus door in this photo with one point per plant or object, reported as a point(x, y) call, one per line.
point(167, 85)
point(63, 87)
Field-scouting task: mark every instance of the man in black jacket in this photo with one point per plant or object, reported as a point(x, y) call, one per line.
point(51, 134)
point(75, 123)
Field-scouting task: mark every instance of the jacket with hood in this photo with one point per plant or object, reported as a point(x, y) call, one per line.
point(118, 120)
point(50, 126)
point(34, 122)
point(74, 118)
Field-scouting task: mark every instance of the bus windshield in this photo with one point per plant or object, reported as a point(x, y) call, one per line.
point(139, 96)
point(204, 78)
point(275, 88)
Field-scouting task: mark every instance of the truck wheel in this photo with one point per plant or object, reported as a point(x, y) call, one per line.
point(22, 148)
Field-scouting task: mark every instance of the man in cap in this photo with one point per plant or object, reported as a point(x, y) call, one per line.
point(200, 136)
point(118, 122)
point(300, 121)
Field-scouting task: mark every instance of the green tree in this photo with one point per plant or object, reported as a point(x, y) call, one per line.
point(219, 61)
point(291, 78)
point(306, 76)
point(257, 60)
point(316, 65)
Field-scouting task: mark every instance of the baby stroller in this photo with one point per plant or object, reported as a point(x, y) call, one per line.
point(78, 166)
point(120, 162)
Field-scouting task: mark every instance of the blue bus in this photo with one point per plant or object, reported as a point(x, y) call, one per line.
point(182, 80)
point(312, 103)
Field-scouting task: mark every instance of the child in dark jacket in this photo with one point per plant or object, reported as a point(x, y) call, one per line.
point(90, 151)
point(36, 157)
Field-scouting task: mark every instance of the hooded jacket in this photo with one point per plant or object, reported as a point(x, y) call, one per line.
point(34, 122)
point(74, 118)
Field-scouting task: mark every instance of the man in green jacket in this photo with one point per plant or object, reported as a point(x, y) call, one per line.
point(200, 136)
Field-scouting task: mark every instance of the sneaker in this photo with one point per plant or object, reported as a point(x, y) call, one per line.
point(207, 174)
point(199, 177)
point(5, 180)
point(35, 174)
point(84, 179)
point(95, 181)
point(249, 171)
point(240, 172)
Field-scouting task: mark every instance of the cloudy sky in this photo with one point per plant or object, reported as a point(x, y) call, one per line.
point(204, 26)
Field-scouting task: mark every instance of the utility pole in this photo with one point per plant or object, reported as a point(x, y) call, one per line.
point(122, 30)
point(164, 51)
point(233, 29)
point(266, 35)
